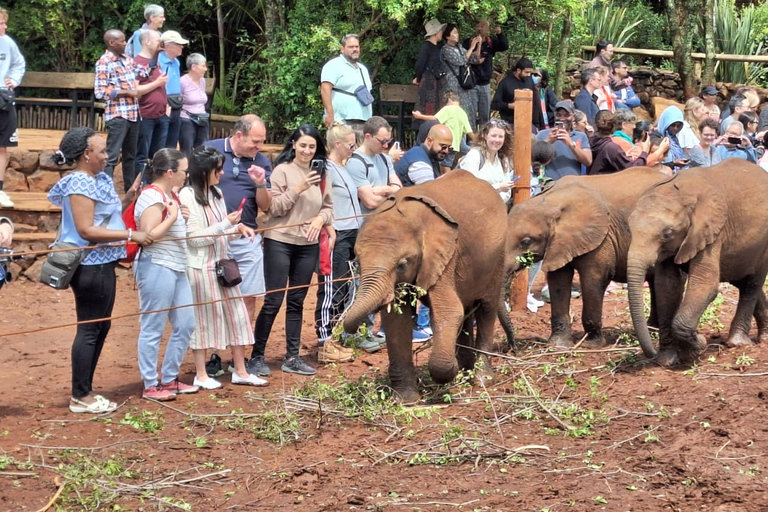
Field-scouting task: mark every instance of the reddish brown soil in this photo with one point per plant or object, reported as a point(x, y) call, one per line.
point(661, 439)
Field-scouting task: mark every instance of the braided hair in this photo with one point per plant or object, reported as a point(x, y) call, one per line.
point(73, 145)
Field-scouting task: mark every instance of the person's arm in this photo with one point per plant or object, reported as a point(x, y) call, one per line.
point(83, 209)
point(421, 63)
point(263, 192)
point(197, 226)
point(420, 172)
point(499, 101)
point(284, 197)
point(499, 43)
point(582, 154)
point(423, 117)
point(325, 95)
point(17, 68)
point(617, 159)
point(104, 86)
point(154, 220)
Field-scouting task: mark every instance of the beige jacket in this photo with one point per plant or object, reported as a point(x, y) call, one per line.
point(206, 248)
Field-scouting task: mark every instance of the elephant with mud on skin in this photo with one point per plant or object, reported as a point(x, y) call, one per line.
point(446, 237)
point(580, 224)
point(711, 223)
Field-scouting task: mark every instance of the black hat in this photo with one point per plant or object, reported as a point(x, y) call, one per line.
point(709, 90)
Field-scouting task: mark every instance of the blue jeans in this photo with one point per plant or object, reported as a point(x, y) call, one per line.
point(483, 104)
point(161, 287)
point(122, 135)
point(174, 129)
point(192, 135)
point(422, 318)
point(152, 134)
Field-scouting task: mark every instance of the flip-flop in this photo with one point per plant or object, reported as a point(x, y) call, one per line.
point(100, 406)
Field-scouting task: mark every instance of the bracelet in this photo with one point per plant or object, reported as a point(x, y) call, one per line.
point(261, 186)
point(130, 234)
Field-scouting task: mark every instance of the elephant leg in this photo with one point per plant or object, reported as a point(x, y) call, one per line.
point(594, 282)
point(484, 340)
point(703, 282)
point(402, 375)
point(447, 320)
point(504, 320)
point(749, 292)
point(761, 317)
point(559, 282)
point(464, 353)
point(667, 293)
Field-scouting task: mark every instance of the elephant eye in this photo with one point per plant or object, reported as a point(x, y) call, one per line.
point(525, 242)
point(666, 234)
point(402, 264)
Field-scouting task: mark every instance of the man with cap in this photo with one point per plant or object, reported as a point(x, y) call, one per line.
point(168, 60)
point(429, 70)
point(572, 149)
point(504, 99)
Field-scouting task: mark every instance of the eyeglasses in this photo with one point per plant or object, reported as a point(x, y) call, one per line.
point(446, 147)
point(498, 122)
point(386, 142)
point(236, 168)
point(352, 145)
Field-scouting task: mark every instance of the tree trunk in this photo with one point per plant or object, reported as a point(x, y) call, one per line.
point(274, 16)
point(562, 57)
point(682, 26)
point(708, 77)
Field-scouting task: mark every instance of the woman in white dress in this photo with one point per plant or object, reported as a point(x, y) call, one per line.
point(490, 159)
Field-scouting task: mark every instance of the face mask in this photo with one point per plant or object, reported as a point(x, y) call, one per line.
point(535, 80)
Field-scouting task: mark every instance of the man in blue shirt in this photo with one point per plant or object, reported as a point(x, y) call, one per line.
point(246, 175)
point(340, 78)
point(168, 61)
point(571, 147)
point(590, 81)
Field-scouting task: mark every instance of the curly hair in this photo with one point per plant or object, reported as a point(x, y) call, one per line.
point(505, 153)
point(73, 144)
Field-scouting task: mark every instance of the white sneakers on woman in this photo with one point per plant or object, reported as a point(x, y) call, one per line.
point(250, 380)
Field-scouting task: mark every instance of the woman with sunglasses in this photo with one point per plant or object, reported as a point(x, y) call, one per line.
point(490, 158)
point(161, 276)
point(222, 318)
point(332, 294)
point(301, 207)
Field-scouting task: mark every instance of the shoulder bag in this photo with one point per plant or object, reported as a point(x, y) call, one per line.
point(226, 269)
point(362, 93)
point(465, 76)
point(60, 266)
point(198, 119)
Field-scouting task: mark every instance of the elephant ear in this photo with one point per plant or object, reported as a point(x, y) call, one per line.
point(707, 218)
point(438, 244)
point(386, 205)
point(580, 225)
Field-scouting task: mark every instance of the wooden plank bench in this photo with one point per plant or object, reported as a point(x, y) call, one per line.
point(397, 96)
point(79, 86)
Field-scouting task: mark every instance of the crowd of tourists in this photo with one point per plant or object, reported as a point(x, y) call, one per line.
point(193, 203)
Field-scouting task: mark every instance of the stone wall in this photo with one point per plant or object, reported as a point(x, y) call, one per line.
point(32, 171)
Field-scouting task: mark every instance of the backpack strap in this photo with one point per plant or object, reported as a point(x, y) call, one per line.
point(365, 163)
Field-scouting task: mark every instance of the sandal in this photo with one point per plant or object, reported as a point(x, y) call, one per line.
point(100, 406)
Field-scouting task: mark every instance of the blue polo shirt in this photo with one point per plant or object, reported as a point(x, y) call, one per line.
point(343, 75)
point(172, 68)
point(235, 188)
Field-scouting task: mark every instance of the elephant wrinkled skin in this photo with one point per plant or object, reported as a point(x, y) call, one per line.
point(580, 224)
point(710, 222)
point(446, 237)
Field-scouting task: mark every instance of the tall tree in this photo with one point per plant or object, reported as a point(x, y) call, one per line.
point(708, 75)
point(682, 25)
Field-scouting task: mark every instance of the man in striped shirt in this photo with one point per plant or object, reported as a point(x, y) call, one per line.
point(116, 83)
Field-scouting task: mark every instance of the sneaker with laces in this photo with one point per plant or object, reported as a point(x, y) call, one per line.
point(419, 336)
point(258, 366)
point(158, 393)
point(251, 380)
point(332, 352)
point(533, 301)
point(5, 201)
point(179, 388)
point(380, 337)
point(296, 364)
point(369, 344)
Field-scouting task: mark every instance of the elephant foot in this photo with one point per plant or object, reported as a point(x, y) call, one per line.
point(739, 339)
point(690, 351)
point(561, 340)
point(667, 356)
point(484, 370)
point(762, 336)
point(595, 341)
point(407, 396)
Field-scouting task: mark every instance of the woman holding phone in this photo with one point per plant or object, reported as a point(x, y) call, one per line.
point(302, 206)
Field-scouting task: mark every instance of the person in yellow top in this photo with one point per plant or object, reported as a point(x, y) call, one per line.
point(302, 206)
point(455, 118)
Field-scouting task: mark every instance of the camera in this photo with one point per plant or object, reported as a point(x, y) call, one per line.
point(734, 140)
point(6, 256)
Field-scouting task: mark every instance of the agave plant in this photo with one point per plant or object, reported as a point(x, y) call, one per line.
point(610, 22)
point(734, 34)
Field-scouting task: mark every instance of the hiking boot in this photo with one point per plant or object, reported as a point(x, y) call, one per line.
point(332, 352)
point(179, 388)
point(258, 366)
point(296, 364)
point(158, 393)
point(5, 201)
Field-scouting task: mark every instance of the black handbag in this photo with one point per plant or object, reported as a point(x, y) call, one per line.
point(465, 76)
point(228, 273)
point(362, 93)
point(175, 101)
point(60, 266)
point(198, 119)
point(6, 100)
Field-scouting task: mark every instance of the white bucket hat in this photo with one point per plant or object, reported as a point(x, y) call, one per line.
point(433, 26)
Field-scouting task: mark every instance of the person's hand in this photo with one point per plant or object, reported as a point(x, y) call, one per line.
point(257, 174)
point(162, 79)
point(381, 190)
point(9, 83)
point(590, 130)
point(311, 178)
point(663, 145)
point(315, 225)
point(133, 192)
point(478, 40)
point(173, 209)
point(645, 145)
point(234, 217)
point(396, 153)
point(142, 238)
point(746, 141)
point(506, 186)
point(331, 236)
point(681, 162)
point(328, 120)
point(6, 234)
point(417, 114)
point(246, 231)
point(552, 137)
point(415, 81)
point(564, 136)
point(184, 211)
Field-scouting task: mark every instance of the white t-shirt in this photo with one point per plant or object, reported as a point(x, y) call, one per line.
point(492, 172)
point(173, 253)
point(686, 137)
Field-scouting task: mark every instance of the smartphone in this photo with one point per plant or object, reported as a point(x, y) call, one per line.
point(685, 161)
point(242, 203)
point(397, 145)
point(559, 125)
point(516, 178)
point(734, 140)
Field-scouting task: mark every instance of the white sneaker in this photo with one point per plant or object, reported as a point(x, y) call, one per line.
point(531, 300)
point(208, 384)
point(5, 201)
point(251, 380)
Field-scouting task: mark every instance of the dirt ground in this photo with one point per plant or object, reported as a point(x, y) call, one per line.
point(554, 431)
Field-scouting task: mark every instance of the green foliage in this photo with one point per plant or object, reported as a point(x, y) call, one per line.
point(736, 33)
point(611, 22)
point(709, 317)
point(147, 422)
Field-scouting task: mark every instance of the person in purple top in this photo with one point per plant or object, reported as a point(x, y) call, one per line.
point(194, 118)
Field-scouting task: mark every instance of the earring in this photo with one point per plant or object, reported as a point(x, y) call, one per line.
point(87, 159)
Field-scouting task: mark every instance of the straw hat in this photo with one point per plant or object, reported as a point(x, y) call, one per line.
point(433, 26)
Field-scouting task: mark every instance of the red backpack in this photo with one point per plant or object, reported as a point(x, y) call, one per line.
point(129, 219)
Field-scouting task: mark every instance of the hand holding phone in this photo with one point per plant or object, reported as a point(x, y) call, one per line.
point(516, 178)
point(242, 203)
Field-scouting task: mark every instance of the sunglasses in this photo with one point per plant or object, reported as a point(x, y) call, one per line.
point(236, 168)
point(352, 145)
point(386, 142)
point(498, 122)
point(446, 147)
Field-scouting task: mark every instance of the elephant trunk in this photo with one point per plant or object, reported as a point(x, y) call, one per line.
point(636, 271)
point(376, 289)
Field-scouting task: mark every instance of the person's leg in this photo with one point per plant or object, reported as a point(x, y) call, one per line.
point(94, 289)
point(472, 102)
point(130, 143)
point(146, 129)
point(187, 136)
point(276, 267)
point(9, 137)
point(182, 323)
point(303, 259)
point(117, 128)
point(483, 104)
point(199, 356)
point(201, 134)
point(250, 260)
point(174, 127)
point(156, 291)
point(159, 134)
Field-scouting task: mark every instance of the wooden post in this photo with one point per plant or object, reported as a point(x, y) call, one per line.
point(522, 191)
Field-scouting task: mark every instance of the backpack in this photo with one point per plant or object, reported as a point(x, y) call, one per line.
point(129, 219)
point(482, 160)
point(369, 166)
